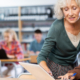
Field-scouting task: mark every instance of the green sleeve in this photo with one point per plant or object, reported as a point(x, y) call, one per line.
point(48, 44)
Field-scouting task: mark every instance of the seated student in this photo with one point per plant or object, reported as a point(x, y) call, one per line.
point(70, 73)
point(37, 44)
point(12, 47)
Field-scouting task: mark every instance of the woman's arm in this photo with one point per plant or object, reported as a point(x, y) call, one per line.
point(49, 43)
point(44, 65)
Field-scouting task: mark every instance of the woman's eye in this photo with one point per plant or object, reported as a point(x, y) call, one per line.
point(74, 8)
point(66, 9)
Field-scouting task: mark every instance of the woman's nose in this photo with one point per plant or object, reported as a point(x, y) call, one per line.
point(70, 12)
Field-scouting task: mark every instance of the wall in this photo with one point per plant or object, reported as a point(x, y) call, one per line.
point(7, 3)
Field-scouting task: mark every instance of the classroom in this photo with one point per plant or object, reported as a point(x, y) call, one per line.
point(40, 40)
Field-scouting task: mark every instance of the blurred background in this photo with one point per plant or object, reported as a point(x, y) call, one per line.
point(25, 16)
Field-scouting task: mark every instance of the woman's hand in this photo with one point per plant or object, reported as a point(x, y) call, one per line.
point(67, 76)
point(11, 56)
point(45, 67)
point(49, 71)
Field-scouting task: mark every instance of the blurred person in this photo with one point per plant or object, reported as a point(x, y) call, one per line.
point(62, 44)
point(37, 44)
point(13, 50)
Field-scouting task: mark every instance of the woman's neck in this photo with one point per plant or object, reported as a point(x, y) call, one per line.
point(8, 43)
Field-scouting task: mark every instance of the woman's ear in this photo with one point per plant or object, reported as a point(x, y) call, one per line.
point(79, 9)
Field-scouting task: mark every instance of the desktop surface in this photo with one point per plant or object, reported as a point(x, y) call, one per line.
point(15, 79)
point(18, 79)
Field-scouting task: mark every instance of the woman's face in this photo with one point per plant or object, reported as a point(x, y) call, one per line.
point(71, 12)
point(8, 37)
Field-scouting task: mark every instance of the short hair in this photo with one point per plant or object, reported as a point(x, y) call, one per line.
point(61, 4)
point(38, 31)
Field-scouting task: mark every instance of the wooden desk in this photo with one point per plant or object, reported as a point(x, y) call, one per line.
point(29, 76)
point(33, 57)
point(15, 79)
point(12, 61)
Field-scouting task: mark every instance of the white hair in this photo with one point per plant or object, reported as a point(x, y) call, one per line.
point(61, 4)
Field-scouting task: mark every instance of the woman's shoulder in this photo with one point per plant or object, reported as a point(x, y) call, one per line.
point(57, 25)
point(16, 42)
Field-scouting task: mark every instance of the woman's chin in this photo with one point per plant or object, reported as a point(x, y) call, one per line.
point(72, 21)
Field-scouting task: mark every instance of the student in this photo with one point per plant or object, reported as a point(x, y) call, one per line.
point(37, 44)
point(12, 47)
point(70, 73)
point(63, 40)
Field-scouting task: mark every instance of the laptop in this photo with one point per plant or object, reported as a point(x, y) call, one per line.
point(38, 72)
point(3, 54)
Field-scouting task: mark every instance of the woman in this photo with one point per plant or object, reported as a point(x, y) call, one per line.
point(12, 47)
point(62, 43)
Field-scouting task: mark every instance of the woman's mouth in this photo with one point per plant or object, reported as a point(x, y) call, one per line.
point(72, 18)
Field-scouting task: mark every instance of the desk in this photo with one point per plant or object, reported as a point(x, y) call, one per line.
point(12, 61)
point(15, 79)
point(33, 58)
point(26, 55)
point(29, 76)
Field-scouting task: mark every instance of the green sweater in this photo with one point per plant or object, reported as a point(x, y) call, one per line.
point(57, 46)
